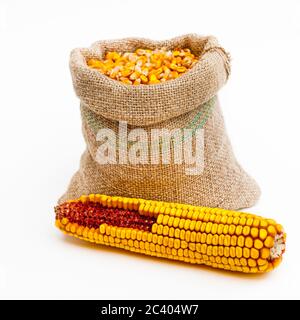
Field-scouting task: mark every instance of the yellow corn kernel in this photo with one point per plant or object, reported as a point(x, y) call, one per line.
point(153, 79)
point(239, 252)
point(188, 235)
point(181, 69)
point(192, 225)
point(177, 233)
point(246, 253)
point(208, 227)
point(177, 212)
point(209, 238)
point(187, 224)
point(229, 220)
point(224, 219)
point(154, 228)
point(184, 244)
point(192, 246)
point(149, 237)
point(203, 248)
point(176, 222)
point(171, 232)
point(279, 228)
point(144, 79)
point(85, 232)
point(241, 241)
point(162, 210)
point(232, 252)
point(165, 231)
point(226, 252)
point(220, 229)
point(176, 243)
point(263, 234)
point(249, 222)
point(231, 229)
point(243, 262)
point(195, 215)
point(251, 263)
point(246, 230)
point(254, 232)
point(224, 260)
point(189, 214)
point(243, 221)
point(272, 230)
point(168, 211)
point(265, 253)
point(249, 242)
point(227, 241)
point(258, 244)
point(269, 242)
point(182, 234)
point(160, 219)
point(261, 262)
point(256, 223)
point(263, 267)
point(263, 223)
point(138, 235)
point(64, 221)
point(80, 230)
point(193, 236)
point(221, 251)
point(238, 230)
point(221, 239)
point(160, 229)
point(215, 240)
point(114, 230)
point(236, 220)
point(173, 75)
point(102, 228)
point(170, 221)
point(198, 225)
point(254, 253)
point(233, 241)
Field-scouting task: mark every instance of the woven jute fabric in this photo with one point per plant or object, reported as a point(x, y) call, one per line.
point(190, 99)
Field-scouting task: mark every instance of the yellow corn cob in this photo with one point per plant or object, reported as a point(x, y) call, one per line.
point(219, 238)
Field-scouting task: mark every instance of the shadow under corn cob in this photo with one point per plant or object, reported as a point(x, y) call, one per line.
point(223, 239)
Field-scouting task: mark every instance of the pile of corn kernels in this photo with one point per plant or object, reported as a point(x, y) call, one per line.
point(145, 66)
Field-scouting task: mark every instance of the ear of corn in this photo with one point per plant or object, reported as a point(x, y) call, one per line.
point(219, 238)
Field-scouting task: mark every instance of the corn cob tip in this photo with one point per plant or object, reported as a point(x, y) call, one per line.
point(279, 246)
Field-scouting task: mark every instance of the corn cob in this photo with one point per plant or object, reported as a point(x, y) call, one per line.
point(219, 238)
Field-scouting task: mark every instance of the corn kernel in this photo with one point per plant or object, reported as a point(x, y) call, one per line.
point(265, 253)
point(269, 242)
point(263, 234)
point(258, 244)
point(249, 242)
point(272, 230)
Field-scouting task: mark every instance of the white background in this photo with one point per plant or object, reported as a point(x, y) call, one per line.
point(41, 142)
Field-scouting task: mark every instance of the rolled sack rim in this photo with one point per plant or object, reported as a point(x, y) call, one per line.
point(150, 104)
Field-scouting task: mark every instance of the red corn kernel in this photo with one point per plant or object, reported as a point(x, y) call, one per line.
point(92, 214)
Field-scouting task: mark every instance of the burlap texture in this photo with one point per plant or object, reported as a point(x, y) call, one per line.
point(173, 104)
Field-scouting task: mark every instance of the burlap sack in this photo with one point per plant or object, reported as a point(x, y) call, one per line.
point(188, 100)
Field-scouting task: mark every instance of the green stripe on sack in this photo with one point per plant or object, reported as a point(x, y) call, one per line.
point(197, 122)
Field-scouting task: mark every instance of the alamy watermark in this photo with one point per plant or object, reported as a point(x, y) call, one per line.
point(153, 147)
